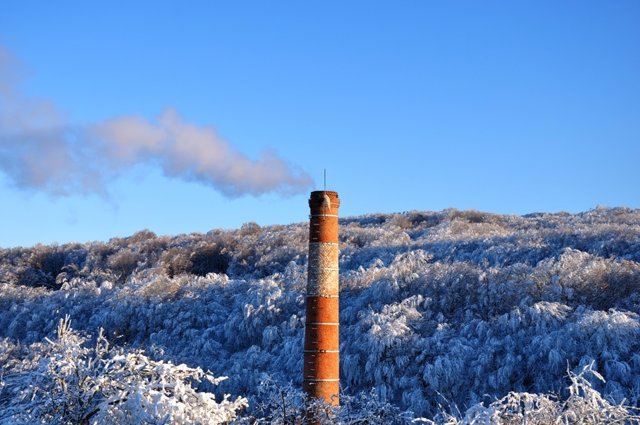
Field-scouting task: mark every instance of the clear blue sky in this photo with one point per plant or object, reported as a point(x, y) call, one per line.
point(509, 107)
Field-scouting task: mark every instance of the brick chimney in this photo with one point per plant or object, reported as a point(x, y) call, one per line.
point(321, 378)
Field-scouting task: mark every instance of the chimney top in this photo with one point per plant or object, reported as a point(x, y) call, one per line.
point(324, 201)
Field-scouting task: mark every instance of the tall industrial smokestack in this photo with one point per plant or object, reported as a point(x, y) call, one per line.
point(321, 379)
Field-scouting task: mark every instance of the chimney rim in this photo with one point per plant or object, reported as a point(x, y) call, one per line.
point(320, 193)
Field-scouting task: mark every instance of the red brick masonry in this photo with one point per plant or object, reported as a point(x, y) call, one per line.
point(321, 379)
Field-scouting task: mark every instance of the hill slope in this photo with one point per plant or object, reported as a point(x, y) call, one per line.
point(437, 309)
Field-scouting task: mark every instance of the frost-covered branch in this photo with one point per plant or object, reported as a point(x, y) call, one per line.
point(75, 384)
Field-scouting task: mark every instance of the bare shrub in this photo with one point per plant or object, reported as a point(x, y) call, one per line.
point(402, 221)
point(33, 277)
point(176, 261)
point(142, 236)
point(250, 228)
point(48, 262)
point(471, 216)
point(209, 258)
point(123, 263)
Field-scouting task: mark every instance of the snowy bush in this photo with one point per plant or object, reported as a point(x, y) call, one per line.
point(281, 404)
point(583, 406)
point(76, 384)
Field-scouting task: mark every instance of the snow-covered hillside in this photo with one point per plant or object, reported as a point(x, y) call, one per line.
point(440, 311)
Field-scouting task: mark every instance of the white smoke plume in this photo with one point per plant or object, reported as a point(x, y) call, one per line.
point(40, 150)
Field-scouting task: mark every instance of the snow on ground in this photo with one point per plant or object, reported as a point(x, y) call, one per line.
point(454, 315)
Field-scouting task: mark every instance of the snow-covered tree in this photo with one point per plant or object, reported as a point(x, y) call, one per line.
point(74, 383)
